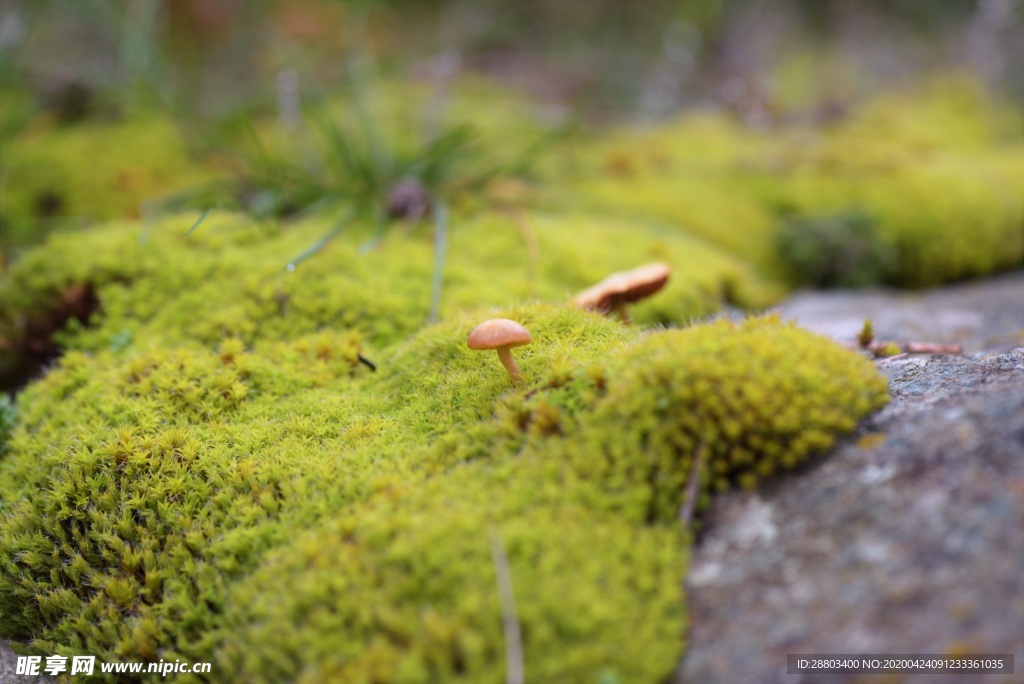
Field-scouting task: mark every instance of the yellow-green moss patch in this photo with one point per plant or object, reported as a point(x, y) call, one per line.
point(934, 173)
point(403, 589)
point(228, 279)
point(180, 502)
point(92, 171)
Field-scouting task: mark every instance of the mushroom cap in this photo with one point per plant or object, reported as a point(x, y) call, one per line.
point(497, 333)
point(627, 286)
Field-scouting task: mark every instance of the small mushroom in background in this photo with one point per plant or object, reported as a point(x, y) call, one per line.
point(501, 334)
point(619, 289)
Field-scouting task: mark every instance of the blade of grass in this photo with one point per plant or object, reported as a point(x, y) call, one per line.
point(319, 245)
point(201, 218)
point(530, 242)
point(514, 668)
point(445, 68)
point(440, 245)
point(435, 161)
point(338, 143)
point(380, 223)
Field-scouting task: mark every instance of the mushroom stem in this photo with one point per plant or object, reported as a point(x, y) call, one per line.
point(620, 309)
point(501, 334)
point(505, 354)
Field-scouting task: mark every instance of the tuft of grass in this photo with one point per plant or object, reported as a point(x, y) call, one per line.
point(359, 165)
point(350, 154)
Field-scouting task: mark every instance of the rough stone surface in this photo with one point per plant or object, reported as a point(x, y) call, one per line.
point(9, 665)
point(909, 537)
point(982, 316)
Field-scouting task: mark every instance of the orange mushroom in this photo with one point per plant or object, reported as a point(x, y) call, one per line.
point(619, 289)
point(501, 334)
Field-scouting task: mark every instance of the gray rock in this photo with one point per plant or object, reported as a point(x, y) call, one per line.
point(909, 537)
point(983, 316)
point(9, 668)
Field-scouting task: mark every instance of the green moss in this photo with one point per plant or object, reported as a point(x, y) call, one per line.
point(937, 174)
point(952, 218)
point(180, 483)
point(228, 278)
point(953, 112)
point(755, 398)
point(88, 172)
point(689, 175)
point(201, 461)
point(845, 249)
point(403, 589)
point(39, 279)
point(935, 171)
point(155, 502)
point(891, 349)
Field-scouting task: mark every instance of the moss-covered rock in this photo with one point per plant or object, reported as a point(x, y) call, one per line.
point(285, 511)
point(945, 218)
point(403, 589)
point(172, 472)
point(228, 279)
point(844, 249)
point(750, 400)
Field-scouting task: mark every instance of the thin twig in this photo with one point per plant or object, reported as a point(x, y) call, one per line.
point(931, 348)
point(693, 486)
point(886, 359)
point(514, 670)
point(880, 347)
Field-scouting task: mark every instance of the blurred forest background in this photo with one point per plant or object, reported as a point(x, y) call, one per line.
point(211, 66)
point(612, 59)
